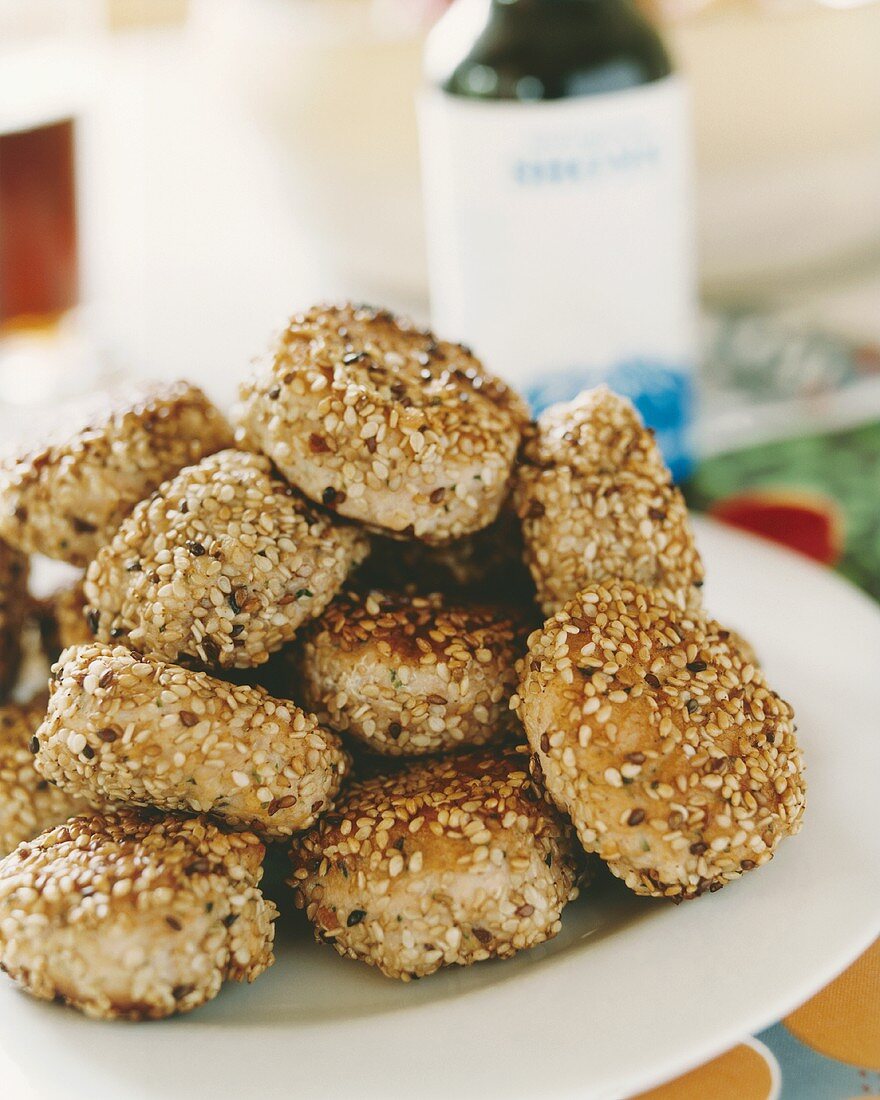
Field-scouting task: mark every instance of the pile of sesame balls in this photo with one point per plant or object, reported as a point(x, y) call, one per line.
point(449, 658)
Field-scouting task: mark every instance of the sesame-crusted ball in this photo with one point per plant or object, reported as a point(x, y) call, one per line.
point(66, 497)
point(130, 730)
point(133, 915)
point(221, 565)
point(14, 606)
point(486, 566)
point(597, 503)
point(446, 862)
point(652, 729)
point(383, 423)
point(61, 617)
point(28, 803)
point(412, 675)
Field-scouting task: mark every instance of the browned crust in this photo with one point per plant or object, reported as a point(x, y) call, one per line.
point(412, 675)
point(411, 626)
point(14, 605)
point(484, 567)
point(61, 618)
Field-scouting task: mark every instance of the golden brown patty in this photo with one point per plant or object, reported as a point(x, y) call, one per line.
point(486, 567)
point(14, 605)
point(412, 675)
point(130, 730)
point(654, 731)
point(65, 499)
point(597, 504)
point(28, 802)
point(383, 423)
point(447, 862)
point(61, 618)
point(134, 915)
point(221, 564)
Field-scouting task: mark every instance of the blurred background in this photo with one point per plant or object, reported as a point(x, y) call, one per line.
point(177, 176)
point(237, 158)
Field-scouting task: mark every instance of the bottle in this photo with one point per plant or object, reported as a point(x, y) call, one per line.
point(556, 170)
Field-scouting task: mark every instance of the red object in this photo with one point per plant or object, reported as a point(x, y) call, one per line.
point(807, 522)
point(38, 239)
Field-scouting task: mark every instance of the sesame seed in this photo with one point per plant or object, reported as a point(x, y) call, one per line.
point(76, 742)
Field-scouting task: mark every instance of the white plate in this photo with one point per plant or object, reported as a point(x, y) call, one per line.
point(632, 992)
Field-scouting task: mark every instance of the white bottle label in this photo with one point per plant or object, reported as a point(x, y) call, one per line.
point(560, 243)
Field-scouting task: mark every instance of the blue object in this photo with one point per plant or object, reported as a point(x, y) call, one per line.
point(663, 394)
point(808, 1075)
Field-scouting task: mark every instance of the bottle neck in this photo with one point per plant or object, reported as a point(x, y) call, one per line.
point(544, 49)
